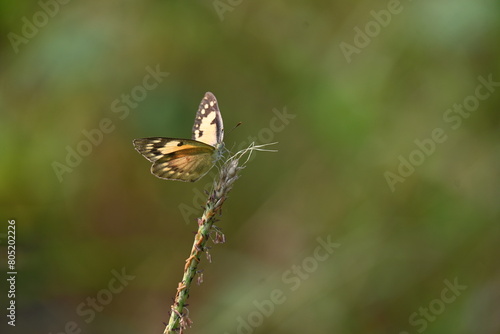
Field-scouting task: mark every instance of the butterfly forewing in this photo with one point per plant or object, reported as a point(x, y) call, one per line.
point(208, 127)
point(155, 147)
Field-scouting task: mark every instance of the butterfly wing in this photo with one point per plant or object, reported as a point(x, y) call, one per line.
point(208, 127)
point(176, 159)
point(186, 159)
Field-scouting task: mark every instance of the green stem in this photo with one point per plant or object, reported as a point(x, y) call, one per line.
point(202, 235)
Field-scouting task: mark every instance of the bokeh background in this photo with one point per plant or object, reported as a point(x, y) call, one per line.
point(351, 117)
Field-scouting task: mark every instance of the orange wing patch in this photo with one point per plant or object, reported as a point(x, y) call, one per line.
point(155, 147)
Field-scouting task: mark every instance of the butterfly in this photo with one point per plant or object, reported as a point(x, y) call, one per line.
point(187, 159)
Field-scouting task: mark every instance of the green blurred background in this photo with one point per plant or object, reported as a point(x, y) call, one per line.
point(352, 117)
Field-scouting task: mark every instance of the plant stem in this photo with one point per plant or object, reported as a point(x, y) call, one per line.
point(205, 224)
point(229, 173)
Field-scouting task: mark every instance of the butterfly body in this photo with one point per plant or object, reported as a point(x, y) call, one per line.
point(187, 159)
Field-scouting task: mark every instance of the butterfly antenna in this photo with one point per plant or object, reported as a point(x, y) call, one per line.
point(234, 144)
point(239, 123)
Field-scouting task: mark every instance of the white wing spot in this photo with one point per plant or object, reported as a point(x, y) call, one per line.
point(206, 106)
point(212, 103)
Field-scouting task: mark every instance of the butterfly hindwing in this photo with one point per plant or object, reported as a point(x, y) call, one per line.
point(176, 159)
point(208, 127)
point(186, 168)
